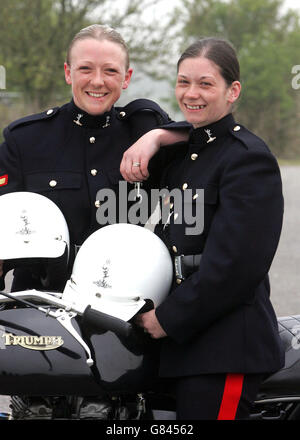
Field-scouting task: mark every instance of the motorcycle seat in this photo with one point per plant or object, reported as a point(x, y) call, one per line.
point(286, 380)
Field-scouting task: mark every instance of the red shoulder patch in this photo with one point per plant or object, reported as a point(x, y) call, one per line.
point(4, 180)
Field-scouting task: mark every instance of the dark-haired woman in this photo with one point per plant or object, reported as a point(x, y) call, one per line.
point(219, 329)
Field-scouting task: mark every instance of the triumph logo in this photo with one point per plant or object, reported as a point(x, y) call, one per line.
point(33, 342)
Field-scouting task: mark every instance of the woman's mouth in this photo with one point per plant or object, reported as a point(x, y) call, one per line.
point(194, 107)
point(96, 95)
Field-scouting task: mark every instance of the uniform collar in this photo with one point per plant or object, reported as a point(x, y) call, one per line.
point(210, 134)
point(84, 119)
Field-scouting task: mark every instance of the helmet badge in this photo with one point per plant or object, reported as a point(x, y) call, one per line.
point(25, 229)
point(103, 282)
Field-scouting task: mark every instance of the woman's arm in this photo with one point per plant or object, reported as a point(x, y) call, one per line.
point(144, 149)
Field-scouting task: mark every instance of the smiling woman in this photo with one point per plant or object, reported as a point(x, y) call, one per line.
point(97, 70)
point(218, 327)
point(69, 153)
point(207, 87)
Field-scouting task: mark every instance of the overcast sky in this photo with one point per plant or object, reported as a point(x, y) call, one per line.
point(166, 5)
point(292, 4)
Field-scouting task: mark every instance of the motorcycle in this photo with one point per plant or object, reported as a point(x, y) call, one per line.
point(80, 364)
point(84, 364)
point(279, 394)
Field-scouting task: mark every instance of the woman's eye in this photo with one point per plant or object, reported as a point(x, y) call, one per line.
point(111, 70)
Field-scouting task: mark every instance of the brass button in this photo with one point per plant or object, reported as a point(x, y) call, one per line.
point(50, 111)
point(53, 183)
point(94, 172)
point(97, 204)
point(92, 140)
point(184, 186)
point(195, 196)
point(174, 249)
point(237, 128)
point(178, 281)
point(122, 114)
point(194, 156)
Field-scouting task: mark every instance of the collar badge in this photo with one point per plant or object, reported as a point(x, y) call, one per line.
point(77, 121)
point(107, 123)
point(210, 137)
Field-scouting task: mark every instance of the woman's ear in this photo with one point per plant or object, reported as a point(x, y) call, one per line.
point(127, 78)
point(68, 73)
point(234, 91)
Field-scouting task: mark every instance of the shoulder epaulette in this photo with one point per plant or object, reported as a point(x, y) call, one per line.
point(246, 137)
point(139, 105)
point(33, 118)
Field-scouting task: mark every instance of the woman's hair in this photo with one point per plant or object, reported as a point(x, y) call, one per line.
point(220, 51)
point(99, 32)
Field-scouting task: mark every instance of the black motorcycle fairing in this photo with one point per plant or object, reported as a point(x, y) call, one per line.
point(120, 366)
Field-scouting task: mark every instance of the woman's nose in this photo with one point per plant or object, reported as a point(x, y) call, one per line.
point(192, 91)
point(97, 79)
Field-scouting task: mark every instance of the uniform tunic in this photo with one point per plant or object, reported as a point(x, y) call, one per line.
point(220, 318)
point(68, 155)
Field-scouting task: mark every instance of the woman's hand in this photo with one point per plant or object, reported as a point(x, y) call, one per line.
point(150, 324)
point(134, 165)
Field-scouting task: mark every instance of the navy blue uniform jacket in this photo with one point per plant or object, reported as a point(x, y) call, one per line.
point(68, 155)
point(220, 318)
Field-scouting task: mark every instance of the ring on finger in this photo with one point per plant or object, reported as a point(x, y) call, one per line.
point(136, 164)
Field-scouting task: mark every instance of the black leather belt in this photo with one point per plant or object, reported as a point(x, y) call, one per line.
point(185, 265)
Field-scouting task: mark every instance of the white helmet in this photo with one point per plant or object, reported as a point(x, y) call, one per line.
point(117, 268)
point(32, 226)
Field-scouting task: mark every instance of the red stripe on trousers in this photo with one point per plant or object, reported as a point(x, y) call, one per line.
point(231, 396)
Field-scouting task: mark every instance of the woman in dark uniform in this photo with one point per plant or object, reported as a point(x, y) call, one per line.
point(219, 329)
point(69, 153)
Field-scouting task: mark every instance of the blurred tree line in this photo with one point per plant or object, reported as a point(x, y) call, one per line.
point(267, 40)
point(34, 36)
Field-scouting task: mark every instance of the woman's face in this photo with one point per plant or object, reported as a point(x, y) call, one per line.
point(97, 73)
point(202, 93)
